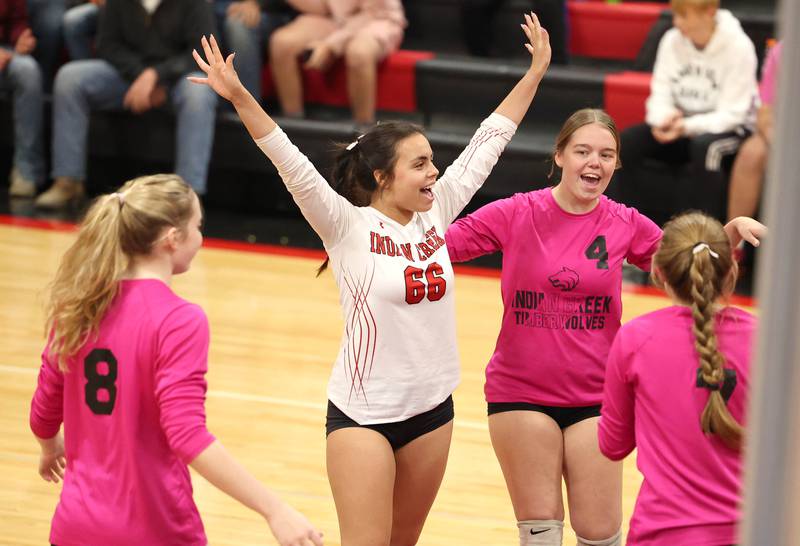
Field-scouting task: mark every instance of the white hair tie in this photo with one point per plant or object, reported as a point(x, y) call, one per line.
point(699, 247)
point(354, 143)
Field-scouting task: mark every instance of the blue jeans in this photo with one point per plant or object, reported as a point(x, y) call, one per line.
point(80, 27)
point(45, 17)
point(248, 43)
point(23, 78)
point(94, 84)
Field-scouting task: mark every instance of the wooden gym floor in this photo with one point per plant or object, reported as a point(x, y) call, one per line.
point(275, 331)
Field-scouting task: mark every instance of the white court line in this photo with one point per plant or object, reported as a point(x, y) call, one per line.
point(272, 400)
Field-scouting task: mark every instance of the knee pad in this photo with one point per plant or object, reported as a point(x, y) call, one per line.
point(616, 540)
point(540, 532)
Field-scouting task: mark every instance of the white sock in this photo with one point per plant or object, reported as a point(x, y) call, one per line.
point(540, 532)
point(616, 540)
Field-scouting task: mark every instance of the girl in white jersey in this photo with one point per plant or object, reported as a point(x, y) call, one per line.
point(390, 414)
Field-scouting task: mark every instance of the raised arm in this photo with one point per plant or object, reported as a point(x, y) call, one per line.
point(469, 171)
point(329, 213)
point(222, 78)
point(517, 102)
point(483, 232)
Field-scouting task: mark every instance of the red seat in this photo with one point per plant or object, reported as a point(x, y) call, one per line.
point(610, 31)
point(396, 83)
point(625, 94)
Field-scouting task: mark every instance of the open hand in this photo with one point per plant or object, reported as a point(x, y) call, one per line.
point(291, 528)
point(52, 462)
point(748, 229)
point(538, 44)
point(220, 74)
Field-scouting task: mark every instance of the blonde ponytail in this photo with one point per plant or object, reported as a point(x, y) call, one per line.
point(116, 227)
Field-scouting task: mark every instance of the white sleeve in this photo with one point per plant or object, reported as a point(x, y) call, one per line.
point(660, 105)
point(737, 96)
point(469, 171)
point(330, 214)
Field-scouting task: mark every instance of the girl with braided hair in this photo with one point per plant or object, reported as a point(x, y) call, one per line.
point(390, 408)
point(563, 249)
point(676, 389)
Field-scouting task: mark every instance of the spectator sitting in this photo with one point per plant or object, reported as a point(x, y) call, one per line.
point(702, 94)
point(20, 73)
point(362, 31)
point(747, 177)
point(144, 49)
point(80, 27)
point(46, 19)
point(246, 26)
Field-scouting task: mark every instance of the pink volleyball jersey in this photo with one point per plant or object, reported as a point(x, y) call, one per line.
point(132, 405)
point(692, 482)
point(768, 87)
point(561, 283)
point(398, 356)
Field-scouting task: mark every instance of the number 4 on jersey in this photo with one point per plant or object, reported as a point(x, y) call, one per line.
point(597, 251)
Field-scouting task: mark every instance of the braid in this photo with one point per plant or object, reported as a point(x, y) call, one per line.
point(695, 260)
point(715, 419)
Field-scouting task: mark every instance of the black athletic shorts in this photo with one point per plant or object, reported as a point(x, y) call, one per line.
point(564, 417)
point(401, 432)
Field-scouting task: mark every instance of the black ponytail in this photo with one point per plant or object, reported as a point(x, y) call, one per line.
point(354, 164)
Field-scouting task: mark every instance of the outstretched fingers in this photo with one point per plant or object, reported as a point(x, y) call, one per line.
point(216, 51)
point(200, 62)
point(209, 53)
point(536, 34)
point(203, 66)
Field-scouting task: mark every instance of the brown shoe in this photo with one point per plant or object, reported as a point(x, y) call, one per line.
point(64, 192)
point(20, 186)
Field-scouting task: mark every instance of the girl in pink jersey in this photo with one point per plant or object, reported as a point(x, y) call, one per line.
point(561, 282)
point(124, 370)
point(390, 408)
point(676, 389)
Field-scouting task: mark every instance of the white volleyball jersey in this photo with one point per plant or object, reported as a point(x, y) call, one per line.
point(398, 356)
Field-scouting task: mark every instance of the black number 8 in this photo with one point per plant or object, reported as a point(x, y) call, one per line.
point(96, 381)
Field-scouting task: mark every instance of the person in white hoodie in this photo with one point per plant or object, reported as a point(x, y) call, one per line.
point(703, 94)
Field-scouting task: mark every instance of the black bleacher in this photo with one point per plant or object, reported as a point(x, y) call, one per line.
point(454, 93)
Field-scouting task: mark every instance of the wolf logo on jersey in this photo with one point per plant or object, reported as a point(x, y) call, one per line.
point(566, 279)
